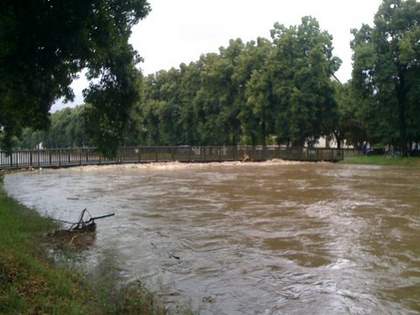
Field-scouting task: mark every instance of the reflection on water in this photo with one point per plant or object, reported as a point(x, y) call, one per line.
point(269, 238)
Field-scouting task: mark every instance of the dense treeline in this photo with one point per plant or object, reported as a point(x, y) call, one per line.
point(67, 129)
point(280, 90)
point(277, 90)
point(264, 91)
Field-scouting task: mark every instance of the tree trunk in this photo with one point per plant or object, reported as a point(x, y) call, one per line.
point(338, 138)
point(264, 136)
point(401, 90)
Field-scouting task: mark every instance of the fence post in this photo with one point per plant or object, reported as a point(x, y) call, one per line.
point(30, 158)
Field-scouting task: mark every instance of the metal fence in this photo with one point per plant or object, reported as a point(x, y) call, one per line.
point(90, 156)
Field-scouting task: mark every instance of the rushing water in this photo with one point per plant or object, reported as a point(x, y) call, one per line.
point(269, 238)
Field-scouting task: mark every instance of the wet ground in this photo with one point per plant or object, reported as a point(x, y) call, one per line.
point(267, 238)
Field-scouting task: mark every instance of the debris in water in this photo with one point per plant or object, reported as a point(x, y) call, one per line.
point(173, 256)
point(78, 234)
point(208, 299)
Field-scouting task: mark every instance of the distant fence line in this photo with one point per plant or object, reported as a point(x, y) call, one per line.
point(90, 156)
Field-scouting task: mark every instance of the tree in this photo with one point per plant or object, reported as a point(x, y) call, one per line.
point(162, 108)
point(293, 94)
point(251, 62)
point(386, 72)
point(217, 99)
point(349, 123)
point(45, 44)
point(67, 129)
point(189, 85)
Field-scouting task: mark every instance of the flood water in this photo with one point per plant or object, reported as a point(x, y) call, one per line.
point(268, 238)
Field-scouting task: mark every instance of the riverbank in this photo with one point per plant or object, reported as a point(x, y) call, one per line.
point(31, 283)
point(382, 160)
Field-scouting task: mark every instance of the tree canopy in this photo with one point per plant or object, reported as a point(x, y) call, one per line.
point(44, 44)
point(277, 90)
point(386, 73)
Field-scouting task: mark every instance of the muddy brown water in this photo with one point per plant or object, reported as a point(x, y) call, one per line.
point(269, 238)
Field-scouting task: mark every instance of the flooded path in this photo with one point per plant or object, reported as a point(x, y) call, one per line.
point(268, 238)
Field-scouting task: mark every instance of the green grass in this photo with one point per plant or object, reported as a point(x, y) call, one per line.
point(383, 160)
point(30, 283)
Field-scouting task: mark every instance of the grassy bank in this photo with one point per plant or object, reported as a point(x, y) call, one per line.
point(383, 160)
point(30, 283)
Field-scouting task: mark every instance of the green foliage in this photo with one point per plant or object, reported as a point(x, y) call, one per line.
point(386, 73)
point(247, 93)
point(350, 123)
point(265, 91)
point(278, 90)
point(45, 44)
point(67, 129)
point(299, 77)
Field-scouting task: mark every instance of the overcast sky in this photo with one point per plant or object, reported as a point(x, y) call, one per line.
point(180, 31)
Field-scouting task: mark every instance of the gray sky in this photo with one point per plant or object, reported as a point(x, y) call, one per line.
point(182, 30)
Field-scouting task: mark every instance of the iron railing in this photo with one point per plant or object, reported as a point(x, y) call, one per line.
point(142, 154)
